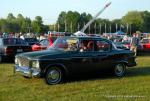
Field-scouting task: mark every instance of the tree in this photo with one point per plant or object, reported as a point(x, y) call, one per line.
point(135, 19)
point(146, 18)
point(72, 20)
point(37, 24)
point(62, 20)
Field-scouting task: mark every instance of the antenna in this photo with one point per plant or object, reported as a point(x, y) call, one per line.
point(94, 18)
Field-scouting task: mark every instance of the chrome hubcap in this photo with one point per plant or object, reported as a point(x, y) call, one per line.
point(119, 69)
point(54, 75)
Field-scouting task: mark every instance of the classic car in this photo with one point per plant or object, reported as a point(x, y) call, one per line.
point(145, 45)
point(69, 56)
point(9, 47)
point(43, 44)
point(31, 41)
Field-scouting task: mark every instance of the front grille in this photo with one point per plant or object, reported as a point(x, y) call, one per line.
point(23, 62)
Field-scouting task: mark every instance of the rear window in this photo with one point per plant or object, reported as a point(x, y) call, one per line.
point(14, 41)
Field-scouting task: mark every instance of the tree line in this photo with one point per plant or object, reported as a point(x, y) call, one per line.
point(73, 21)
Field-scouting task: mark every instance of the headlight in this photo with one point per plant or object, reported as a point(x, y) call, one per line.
point(16, 61)
point(35, 64)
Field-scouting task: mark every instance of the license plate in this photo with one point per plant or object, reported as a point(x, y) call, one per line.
point(19, 50)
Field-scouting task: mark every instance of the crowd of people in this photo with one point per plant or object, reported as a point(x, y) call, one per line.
point(134, 39)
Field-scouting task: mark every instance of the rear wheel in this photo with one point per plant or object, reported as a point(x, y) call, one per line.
point(119, 70)
point(54, 75)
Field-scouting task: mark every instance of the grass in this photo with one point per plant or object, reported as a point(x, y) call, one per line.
point(134, 86)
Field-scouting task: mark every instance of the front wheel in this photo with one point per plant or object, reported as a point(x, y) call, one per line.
point(119, 70)
point(54, 75)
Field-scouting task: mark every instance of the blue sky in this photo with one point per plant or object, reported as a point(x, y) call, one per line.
point(50, 9)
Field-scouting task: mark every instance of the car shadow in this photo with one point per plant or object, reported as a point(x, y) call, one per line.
point(131, 72)
point(138, 71)
point(143, 54)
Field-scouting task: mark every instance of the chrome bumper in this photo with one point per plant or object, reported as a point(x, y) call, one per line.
point(26, 71)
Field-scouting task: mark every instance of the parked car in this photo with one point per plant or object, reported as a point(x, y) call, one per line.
point(145, 44)
point(74, 56)
point(43, 44)
point(9, 47)
point(31, 41)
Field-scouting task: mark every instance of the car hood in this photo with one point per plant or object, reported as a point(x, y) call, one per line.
point(42, 54)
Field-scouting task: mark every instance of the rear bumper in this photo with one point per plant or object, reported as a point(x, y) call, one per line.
point(131, 62)
point(26, 71)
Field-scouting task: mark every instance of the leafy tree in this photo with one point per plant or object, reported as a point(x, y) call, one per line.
point(135, 19)
point(61, 21)
point(37, 24)
point(146, 18)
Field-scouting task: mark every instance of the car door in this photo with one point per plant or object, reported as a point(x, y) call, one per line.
point(82, 61)
point(101, 54)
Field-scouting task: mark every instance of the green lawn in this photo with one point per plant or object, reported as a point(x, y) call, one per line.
point(134, 86)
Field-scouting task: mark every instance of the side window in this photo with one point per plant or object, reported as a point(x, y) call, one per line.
point(86, 45)
point(44, 42)
point(102, 46)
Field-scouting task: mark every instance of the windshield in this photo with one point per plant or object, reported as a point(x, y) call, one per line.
point(66, 43)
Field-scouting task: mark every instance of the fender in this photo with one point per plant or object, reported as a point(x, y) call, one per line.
point(120, 61)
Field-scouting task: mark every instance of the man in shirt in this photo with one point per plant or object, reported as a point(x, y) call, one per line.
point(134, 44)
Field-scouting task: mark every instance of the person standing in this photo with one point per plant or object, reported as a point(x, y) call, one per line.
point(134, 43)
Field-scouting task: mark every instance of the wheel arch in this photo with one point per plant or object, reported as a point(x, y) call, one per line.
point(120, 61)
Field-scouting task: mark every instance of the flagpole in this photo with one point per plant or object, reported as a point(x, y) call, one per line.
point(78, 26)
point(105, 27)
point(89, 29)
point(58, 27)
point(65, 26)
point(127, 28)
point(100, 26)
point(71, 27)
point(110, 28)
point(116, 27)
point(94, 18)
point(95, 28)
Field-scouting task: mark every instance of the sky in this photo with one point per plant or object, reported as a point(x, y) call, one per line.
point(49, 10)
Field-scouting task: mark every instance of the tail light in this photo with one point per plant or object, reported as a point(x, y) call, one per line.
point(8, 50)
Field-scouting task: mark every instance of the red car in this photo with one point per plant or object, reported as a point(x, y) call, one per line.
point(43, 44)
point(145, 44)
